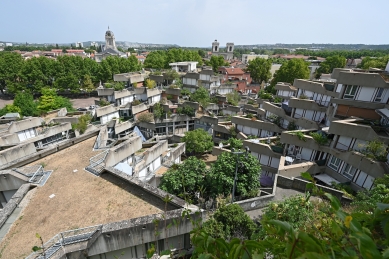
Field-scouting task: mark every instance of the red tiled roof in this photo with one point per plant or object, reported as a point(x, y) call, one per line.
point(74, 50)
point(233, 71)
point(138, 57)
point(56, 50)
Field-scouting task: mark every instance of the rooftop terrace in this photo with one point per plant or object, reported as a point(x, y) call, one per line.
point(81, 200)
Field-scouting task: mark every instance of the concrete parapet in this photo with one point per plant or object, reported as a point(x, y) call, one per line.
point(13, 203)
point(301, 185)
point(33, 156)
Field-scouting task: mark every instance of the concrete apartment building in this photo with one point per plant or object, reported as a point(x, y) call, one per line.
point(360, 93)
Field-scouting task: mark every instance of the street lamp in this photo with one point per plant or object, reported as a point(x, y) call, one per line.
point(238, 153)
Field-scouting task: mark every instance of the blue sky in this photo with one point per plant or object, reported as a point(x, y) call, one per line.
point(196, 22)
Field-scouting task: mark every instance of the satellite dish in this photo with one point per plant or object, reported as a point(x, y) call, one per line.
point(221, 145)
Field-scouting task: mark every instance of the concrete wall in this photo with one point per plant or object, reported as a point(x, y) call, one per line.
point(155, 151)
point(17, 126)
point(13, 203)
point(122, 151)
point(11, 180)
point(105, 110)
point(120, 127)
point(9, 155)
point(105, 91)
point(9, 139)
point(306, 104)
point(362, 79)
point(27, 153)
point(141, 231)
point(301, 185)
point(139, 108)
point(351, 129)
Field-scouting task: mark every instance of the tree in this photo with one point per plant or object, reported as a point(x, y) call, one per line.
point(198, 141)
point(10, 108)
point(215, 62)
point(186, 179)
point(329, 64)
point(222, 174)
point(51, 101)
point(379, 62)
point(158, 111)
point(25, 101)
point(11, 64)
point(201, 95)
point(228, 222)
point(82, 124)
point(201, 53)
point(150, 84)
point(327, 232)
point(88, 85)
point(186, 110)
point(233, 98)
point(293, 69)
point(259, 69)
point(234, 143)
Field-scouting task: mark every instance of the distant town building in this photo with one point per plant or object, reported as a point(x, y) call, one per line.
point(94, 44)
point(8, 44)
point(248, 57)
point(228, 55)
point(79, 45)
point(109, 49)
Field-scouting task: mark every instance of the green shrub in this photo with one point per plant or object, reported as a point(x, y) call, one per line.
point(300, 135)
point(319, 138)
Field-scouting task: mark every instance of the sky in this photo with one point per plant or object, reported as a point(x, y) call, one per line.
point(196, 23)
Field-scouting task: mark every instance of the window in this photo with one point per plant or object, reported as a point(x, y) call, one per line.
point(350, 92)
point(378, 95)
point(348, 171)
point(334, 163)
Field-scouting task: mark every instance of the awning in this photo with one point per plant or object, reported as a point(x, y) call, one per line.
point(325, 178)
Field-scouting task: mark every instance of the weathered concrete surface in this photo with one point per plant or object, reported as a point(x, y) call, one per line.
point(13, 203)
point(32, 155)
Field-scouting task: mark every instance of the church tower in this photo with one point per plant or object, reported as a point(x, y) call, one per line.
point(230, 47)
point(215, 46)
point(110, 40)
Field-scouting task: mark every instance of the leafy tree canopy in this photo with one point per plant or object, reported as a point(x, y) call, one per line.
point(379, 62)
point(25, 101)
point(228, 222)
point(51, 101)
point(329, 64)
point(186, 179)
point(201, 95)
point(259, 69)
point(293, 69)
point(221, 176)
point(233, 98)
point(198, 141)
point(215, 62)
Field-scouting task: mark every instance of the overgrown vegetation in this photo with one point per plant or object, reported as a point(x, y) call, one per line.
point(320, 138)
point(374, 149)
point(234, 143)
point(299, 134)
point(186, 110)
point(145, 117)
point(233, 98)
point(198, 141)
point(82, 124)
point(103, 102)
point(299, 227)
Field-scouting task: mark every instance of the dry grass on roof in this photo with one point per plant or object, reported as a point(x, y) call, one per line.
point(81, 200)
